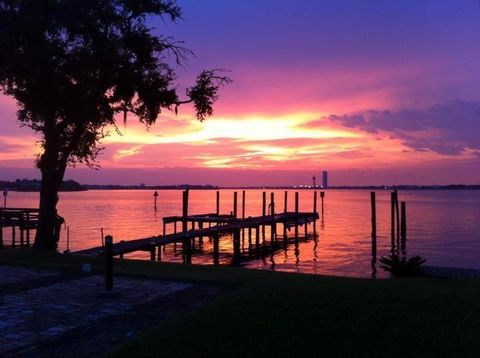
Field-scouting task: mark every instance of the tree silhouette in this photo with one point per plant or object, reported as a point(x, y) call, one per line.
point(73, 66)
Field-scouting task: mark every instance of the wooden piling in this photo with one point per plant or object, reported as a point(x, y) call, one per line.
point(272, 212)
point(243, 204)
point(397, 219)
point(68, 238)
point(186, 242)
point(121, 253)
point(155, 197)
point(236, 243)
point(403, 226)
point(102, 237)
point(235, 207)
point(108, 263)
point(374, 227)
point(152, 250)
point(296, 215)
point(322, 197)
point(218, 203)
point(392, 219)
point(215, 248)
point(285, 202)
point(315, 202)
point(184, 210)
point(264, 211)
point(28, 229)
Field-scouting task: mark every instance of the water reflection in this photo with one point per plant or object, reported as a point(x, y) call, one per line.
point(344, 248)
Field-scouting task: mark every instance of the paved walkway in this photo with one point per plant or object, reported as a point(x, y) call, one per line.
point(48, 320)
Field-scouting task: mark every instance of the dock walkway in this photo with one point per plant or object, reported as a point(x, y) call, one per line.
point(226, 224)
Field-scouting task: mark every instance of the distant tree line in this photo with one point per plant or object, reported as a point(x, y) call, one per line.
point(35, 185)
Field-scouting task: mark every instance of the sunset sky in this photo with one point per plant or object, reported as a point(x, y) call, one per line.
point(375, 92)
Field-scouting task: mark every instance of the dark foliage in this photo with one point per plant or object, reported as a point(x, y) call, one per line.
point(400, 266)
point(74, 65)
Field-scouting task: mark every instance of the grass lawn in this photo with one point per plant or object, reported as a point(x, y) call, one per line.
point(280, 314)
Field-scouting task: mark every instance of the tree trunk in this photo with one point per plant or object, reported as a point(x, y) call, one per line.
point(48, 221)
point(53, 170)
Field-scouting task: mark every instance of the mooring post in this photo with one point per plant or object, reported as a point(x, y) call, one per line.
point(314, 203)
point(152, 250)
point(257, 236)
point(28, 229)
point(20, 227)
point(187, 243)
point(285, 202)
point(159, 258)
point(235, 212)
point(121, 246)
point(13, 235)
point(374, 232)
point(200, 237)
point(243, 204)
point(264, 211)
point(322, 196)
point(397, 218)
point(403, 226)
point(392, 217)
point(108, 263)
point(272, 212)
point(215, 248)
point(296, 215)
point(236, 243)
point(155, 196)
point(218, 203)
point(1, 229)
point(68, 239)
point(102, 237)
point(184, 210)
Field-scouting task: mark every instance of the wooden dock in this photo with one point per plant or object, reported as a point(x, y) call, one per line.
point(23, 219)
point(231, 226)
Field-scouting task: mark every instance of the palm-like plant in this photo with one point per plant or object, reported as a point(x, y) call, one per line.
point(401, 266)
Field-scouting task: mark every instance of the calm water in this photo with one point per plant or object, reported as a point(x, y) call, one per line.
point(442, 226)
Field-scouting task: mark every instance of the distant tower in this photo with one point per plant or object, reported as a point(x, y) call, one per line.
point(314, 182)
point(325, 179)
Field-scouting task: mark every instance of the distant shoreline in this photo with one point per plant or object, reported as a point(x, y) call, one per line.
point(71, 186)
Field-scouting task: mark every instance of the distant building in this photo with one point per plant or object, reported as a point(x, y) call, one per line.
point(325, 179)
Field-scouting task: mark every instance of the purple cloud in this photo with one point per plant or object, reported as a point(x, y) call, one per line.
point(449, 128)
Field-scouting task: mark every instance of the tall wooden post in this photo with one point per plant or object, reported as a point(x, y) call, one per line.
point(397, 218)
point(403, 226)
point(185, 210)
point(264, 211)
point(235, 206)
point(108, 263)
point(392, 219)
point(272, 212)
point(187, 244)
point(315, 202)
point(374, 233)
point(243, 204)
point(218, 203)
point(285, 209)
point(322, 196)
point(236, 243)
point(153, 250)
point(155, 197)
point(215, 248)
point(296, 215)
point(28, 229)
